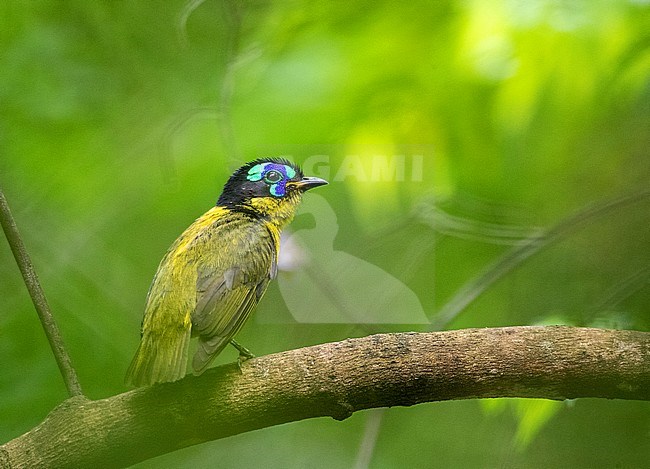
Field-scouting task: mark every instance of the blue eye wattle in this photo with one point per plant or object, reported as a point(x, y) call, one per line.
point(278, 190)
point(275, 175)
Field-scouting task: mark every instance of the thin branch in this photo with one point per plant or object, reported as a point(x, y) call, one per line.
point(336, 380)
point(369, 438)
point(518, 254)
point(38, 298)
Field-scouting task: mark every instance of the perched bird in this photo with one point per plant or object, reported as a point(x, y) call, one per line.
point(215, 273)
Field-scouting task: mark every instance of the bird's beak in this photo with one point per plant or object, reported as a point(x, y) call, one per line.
point(307, 183)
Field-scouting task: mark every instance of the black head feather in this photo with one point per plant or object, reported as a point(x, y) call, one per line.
point(242, 186)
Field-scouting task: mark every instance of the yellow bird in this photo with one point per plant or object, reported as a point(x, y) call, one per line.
point(215, 273)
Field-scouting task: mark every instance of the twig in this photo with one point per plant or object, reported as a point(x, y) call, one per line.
point(369, 439)
point(518, 254)
point(38, 298)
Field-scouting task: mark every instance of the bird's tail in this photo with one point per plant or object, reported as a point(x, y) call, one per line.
point(159, 359)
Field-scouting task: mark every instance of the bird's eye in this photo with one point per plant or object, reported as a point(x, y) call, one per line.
point(273, 177)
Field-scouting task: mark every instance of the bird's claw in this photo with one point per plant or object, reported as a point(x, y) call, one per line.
point(244, 353)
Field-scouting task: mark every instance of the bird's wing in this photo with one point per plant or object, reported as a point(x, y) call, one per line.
point(229, 286)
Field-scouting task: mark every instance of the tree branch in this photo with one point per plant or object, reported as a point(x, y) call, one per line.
point(527, 248)
point(337, 379)
point(38, 298)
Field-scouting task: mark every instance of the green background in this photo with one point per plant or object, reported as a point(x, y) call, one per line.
point(120, 122)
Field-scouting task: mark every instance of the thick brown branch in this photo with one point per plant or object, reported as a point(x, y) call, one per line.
point(335, 380)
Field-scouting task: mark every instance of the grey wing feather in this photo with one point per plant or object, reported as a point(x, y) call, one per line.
point(211, 291)
point(274, 267)
point(229, 277)
point(211, 346)
point(224, 301)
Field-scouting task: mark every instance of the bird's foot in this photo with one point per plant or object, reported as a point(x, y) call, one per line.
point(244, 353)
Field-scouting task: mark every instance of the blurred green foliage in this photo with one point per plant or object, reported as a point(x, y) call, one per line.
point(120, 121)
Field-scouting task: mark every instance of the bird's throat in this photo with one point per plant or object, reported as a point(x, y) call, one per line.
point(278, 212)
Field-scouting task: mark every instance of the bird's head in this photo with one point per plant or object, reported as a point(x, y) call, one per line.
point(270, 187)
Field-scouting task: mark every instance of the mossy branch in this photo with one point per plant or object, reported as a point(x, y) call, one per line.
point(38, 298)
point(335, 380)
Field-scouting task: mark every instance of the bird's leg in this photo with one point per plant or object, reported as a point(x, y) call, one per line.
point(244, 353)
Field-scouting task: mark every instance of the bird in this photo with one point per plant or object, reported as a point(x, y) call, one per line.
point(215, 273)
